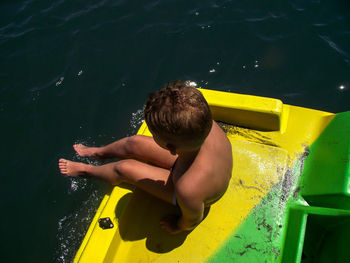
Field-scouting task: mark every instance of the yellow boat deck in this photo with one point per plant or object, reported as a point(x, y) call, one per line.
point(273, 137)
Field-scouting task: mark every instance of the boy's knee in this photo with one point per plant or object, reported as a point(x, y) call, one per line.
point(123, 168)
point(132, 145)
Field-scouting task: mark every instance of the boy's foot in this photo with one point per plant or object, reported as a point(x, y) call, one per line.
point(72, 168)
point(86, 151)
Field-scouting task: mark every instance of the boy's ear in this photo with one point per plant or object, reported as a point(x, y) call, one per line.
point(171, 148)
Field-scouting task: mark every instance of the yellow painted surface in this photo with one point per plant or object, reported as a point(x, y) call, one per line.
point(260, 158)
point(245, 110)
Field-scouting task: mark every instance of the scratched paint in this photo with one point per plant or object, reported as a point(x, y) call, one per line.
point(259, 238)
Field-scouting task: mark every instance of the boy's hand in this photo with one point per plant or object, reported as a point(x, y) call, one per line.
point(170, 224)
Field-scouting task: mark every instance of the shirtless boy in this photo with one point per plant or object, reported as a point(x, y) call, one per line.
point(189, 158)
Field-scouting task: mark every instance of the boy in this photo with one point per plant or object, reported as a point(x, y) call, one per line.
point(190, 156)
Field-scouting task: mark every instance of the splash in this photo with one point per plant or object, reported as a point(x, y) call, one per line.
point(71, 228)
point(135, 122)
point(77, 184)
point(191, 83)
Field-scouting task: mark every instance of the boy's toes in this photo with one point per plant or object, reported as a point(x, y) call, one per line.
point(62, 164)
point(71, 168)
point(83, 150)
point(77, 146)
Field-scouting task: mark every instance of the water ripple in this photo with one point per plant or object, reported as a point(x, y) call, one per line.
point(7, 27)
point(269, 16)
point(320, 24)
point(52, 6)
point(257, 19)
point(24, 6)
point(272, 38)
point(152, 5)
point(297, 8)
point(148, 27)
point(334, 46)
point(87, 10)
point(21, 33)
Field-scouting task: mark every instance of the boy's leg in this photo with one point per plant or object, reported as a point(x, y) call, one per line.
point(151, 179)
point(137, 147)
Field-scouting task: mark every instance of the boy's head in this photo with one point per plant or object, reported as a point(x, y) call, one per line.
point(178, 115)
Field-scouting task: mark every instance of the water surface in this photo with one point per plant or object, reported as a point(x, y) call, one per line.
point(79, 71)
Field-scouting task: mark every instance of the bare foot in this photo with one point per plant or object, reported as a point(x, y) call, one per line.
point(86, 151)
point(72, 168)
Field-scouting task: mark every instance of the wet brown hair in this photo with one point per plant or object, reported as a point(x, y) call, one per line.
point(179, 110)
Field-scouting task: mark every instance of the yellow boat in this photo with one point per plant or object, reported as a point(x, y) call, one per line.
point(252, 222)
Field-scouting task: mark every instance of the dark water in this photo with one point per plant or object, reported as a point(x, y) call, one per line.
point(79, 71)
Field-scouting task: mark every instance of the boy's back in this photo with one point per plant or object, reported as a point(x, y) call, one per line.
point(207, 177)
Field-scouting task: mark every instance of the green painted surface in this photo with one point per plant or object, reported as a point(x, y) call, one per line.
point(319, 230)
point(283, 227)
point(260, 237)
point(327, 169)
point(316, 234)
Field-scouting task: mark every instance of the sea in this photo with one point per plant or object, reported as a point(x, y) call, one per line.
point(80, 71)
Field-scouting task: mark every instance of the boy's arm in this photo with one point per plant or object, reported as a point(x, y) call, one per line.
point(192, 208)
point(192, 213)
